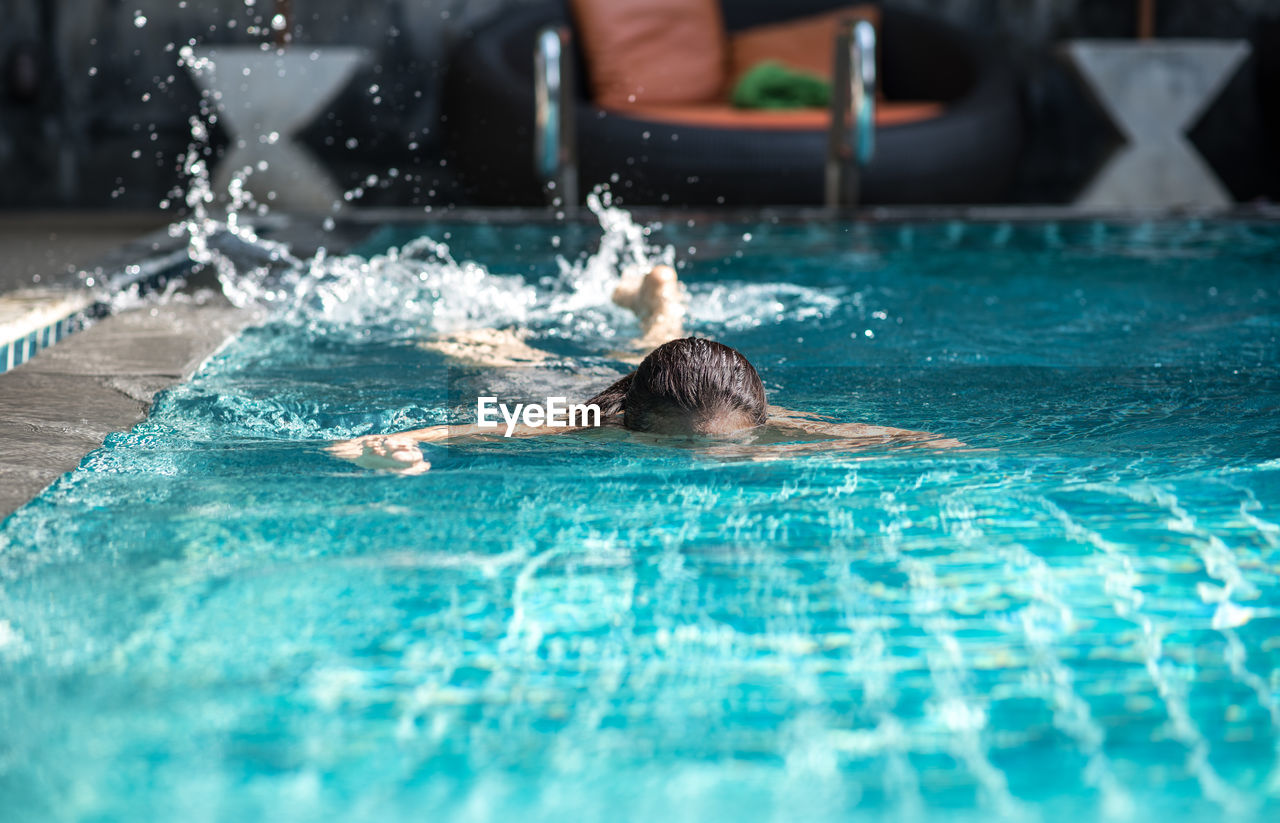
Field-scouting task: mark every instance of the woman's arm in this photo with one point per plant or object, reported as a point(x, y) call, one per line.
point(657, 299)
point(400, 452)
point(487, 348)
point(784, 421)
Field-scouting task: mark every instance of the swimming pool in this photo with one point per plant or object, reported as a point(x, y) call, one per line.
point(1076, 617)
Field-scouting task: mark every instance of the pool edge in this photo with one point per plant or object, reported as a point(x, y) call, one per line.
point(61, 405)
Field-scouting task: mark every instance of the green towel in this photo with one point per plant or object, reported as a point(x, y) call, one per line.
point(772, 85)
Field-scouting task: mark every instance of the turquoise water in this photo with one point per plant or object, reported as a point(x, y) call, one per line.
point(1074, 619)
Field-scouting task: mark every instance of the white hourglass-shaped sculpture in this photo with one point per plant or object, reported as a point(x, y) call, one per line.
point(264, 97)
point(1155, 91)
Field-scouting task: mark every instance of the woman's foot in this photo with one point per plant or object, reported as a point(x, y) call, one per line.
point(658, 301)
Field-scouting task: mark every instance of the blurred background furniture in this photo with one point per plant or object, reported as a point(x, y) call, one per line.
point(94, 113)
point(962, 148)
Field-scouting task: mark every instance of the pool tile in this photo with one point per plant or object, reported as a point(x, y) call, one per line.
point(35, 319)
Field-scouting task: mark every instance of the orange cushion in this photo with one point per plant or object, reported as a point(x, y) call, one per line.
point(725, 116)
point(652, 52)
point(805, 43)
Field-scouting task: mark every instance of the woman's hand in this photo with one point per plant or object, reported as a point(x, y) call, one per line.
point(384, 452)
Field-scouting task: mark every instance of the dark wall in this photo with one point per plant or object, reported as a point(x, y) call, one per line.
point(93, 109)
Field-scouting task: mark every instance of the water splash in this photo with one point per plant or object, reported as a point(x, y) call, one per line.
point(625, 251)
point(418, 286)
point(421, 287)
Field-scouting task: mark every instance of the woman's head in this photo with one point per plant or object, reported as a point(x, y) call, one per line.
point(689, 386)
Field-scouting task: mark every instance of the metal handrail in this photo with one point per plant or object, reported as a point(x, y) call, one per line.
point(555, 149)
point(851, 136)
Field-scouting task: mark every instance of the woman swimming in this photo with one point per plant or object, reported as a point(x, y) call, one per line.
point(686, 387)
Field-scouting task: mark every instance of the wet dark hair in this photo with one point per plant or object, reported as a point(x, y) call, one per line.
point(688, 385)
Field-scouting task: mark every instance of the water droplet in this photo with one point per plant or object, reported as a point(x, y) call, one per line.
point(136, 153)
point(139, 19)
point(352, 142)
point(278, 22)
point(746, 236)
